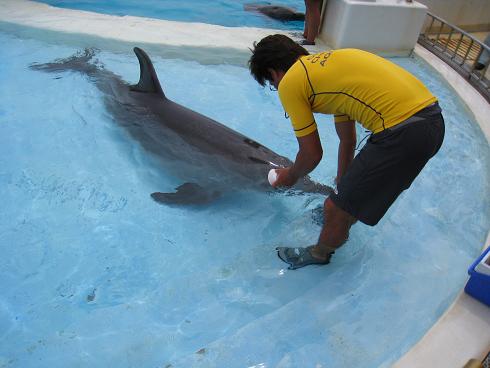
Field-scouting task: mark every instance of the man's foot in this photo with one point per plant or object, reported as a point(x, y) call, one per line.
point(300, 257)
point(306, 43)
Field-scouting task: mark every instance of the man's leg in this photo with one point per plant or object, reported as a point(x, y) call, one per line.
point(307, 14)
point(335, 230)
point(334, 233)
point(313, 19)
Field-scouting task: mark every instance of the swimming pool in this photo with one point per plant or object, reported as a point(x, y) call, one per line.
point(97, 274)
point(228, 13)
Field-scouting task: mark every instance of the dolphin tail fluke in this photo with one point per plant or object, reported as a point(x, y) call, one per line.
point(79, 62)
point(148, 77)
point(186, 194)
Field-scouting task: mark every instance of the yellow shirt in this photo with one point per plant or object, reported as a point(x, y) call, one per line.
point(353, 85)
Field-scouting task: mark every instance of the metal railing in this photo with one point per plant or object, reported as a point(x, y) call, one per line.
point(460, 50)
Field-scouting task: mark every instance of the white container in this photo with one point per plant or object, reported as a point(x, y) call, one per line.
point(387, 27)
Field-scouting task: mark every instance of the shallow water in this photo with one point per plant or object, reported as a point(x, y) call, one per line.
point(228, 13)
point(94, 273)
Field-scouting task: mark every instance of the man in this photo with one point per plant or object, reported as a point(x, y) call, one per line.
point(404, 118)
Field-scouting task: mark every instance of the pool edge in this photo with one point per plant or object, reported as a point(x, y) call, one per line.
point(161, 37)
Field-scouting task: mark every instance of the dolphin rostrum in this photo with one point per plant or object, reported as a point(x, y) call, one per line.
point(210, 157)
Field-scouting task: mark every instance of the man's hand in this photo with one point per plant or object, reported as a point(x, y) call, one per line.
point(309, 155)
point(284, 178)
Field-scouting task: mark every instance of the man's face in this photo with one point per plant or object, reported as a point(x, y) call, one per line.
point(276, 77)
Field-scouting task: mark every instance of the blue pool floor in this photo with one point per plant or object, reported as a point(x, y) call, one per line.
point(94, 273)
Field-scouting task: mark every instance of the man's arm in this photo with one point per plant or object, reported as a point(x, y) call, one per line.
point(309, 155)
point(346, 131)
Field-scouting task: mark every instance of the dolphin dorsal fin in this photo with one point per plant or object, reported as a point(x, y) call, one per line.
point(148, 77)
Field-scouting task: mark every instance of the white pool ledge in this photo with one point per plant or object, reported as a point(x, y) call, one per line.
point(463, 332)
point(169, 38)
point(125, 28)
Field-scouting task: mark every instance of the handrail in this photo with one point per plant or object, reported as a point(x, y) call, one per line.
point(460, 50)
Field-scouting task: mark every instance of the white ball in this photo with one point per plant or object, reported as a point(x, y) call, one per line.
point(272, 177)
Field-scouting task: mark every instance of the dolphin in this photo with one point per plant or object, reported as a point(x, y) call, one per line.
point(210, 158)
point(278, 12)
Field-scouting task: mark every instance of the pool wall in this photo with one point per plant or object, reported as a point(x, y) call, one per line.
point(472, 16)
point(463, 332)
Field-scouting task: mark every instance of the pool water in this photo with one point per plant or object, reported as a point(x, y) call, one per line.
point(94, 273)
point(228, 13)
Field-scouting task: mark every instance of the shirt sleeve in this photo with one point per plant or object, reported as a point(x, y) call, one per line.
point(297, 106)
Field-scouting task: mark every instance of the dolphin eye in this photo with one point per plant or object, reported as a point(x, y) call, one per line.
point(251, 143)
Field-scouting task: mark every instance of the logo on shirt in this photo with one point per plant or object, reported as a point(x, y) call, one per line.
point(319, 58)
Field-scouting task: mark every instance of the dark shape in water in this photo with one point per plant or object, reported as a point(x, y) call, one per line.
point(277, 12)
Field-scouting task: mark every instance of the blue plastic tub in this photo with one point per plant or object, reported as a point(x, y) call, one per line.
point(478, 286)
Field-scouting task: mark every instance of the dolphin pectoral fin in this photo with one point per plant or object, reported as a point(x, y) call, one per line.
point(186, 194)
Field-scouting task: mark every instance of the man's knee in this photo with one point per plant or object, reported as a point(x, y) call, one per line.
point(333, 213)
point(330, 208)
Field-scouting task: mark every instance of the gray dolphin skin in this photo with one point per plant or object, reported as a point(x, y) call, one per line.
point(210, 158)
point(277, 12)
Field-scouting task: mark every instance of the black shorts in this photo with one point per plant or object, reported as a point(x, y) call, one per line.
point(388, 164)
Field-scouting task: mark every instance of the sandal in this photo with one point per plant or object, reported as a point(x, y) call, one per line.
point(300, 257)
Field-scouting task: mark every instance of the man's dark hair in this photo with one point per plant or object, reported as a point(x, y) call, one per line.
point(276, 52)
